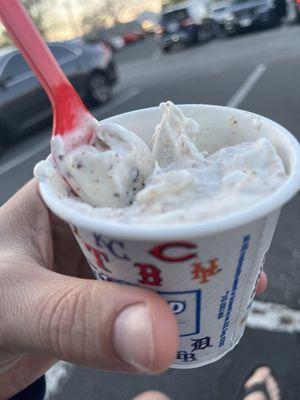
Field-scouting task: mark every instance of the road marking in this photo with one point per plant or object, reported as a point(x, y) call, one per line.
point(265, 316)
point(156, 55)
point(32, 151)
point(274, 317)
point(56, 377)
point(26, 155)
point(247, 86)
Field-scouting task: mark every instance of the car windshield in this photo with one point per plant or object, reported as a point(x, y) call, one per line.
point(178, 15)
point(220, 10)
point(15, 67)
point(240, 1)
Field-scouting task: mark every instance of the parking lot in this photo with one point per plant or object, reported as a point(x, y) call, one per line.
point(259, 72)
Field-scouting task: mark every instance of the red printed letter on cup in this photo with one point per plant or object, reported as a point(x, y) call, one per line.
point(150, 275)
point(99, 255)
point(161, 251)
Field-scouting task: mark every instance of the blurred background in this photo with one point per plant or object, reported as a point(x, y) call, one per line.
point(129, 54)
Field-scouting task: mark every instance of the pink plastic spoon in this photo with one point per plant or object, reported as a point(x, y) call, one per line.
point(71, 119)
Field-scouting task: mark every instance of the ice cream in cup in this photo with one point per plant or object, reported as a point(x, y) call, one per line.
point(185, 205)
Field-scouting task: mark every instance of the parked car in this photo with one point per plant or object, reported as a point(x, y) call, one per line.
point(297, 9)
point(220, 11)
point(105, 35)
point(133, 36)
point(186, 22)
point(245, 14)
point(23, 103)
point(116, 42)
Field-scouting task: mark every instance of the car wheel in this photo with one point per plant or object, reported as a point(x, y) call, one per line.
point(1, 147)
point(204, 34)
point(99, 88)
point(275, 21)
point(166, 49)
point(4, 138)
point(231, 33)
point(216, 31)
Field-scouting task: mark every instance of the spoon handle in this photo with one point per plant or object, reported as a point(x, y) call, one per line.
point(64, 99)
point(32, 46)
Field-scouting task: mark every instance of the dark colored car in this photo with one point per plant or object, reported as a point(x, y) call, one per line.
point(105, 35)
point(245, 14)
point(187, 22)
point(23, 102)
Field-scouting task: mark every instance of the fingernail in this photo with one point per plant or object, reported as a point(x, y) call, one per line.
point(133, 337)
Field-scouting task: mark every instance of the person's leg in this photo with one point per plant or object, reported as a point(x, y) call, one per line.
point(151, 396)
point(261, 385)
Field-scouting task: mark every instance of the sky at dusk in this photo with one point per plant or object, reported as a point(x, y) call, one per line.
point(61, 26)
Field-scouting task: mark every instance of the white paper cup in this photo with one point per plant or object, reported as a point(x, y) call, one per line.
point(206, 271)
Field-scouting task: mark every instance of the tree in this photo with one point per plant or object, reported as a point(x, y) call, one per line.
point(100, 14)
point(37, 9)
point(170, 2)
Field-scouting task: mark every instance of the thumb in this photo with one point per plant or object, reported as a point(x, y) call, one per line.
point(93, 323)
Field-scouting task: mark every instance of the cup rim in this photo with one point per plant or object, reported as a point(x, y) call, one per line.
point(208, 227)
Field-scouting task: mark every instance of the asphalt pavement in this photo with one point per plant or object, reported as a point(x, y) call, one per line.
point(258, 72)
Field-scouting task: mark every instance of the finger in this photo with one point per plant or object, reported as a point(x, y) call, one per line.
point(35, 230)
point(98, 324)
point(262, 284)
point(152, 396)
point(26, 371)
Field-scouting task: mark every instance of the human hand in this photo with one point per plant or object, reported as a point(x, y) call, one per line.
point(262, 284)
point(153, 395)
point(50, 310)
